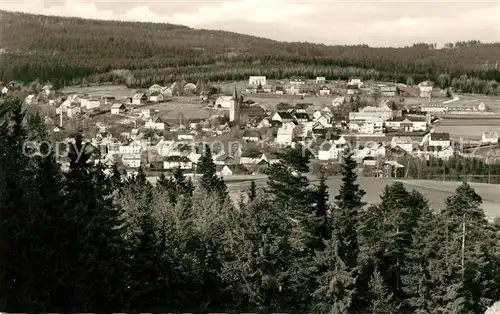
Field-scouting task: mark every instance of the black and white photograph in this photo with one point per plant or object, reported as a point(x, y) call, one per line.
point(250, 156)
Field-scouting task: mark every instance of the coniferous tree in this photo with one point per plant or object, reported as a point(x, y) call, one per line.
point(209, 179)
point(32, 217)
point(95, 259)
point(382, 301)
point(252, 191)
point(338, 284)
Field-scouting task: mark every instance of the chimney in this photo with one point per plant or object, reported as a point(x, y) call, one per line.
point(60, 120)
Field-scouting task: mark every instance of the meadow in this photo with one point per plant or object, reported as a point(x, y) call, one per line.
point(435, 191)
point(471, 128)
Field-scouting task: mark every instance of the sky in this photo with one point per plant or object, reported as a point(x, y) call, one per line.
point(375, 23)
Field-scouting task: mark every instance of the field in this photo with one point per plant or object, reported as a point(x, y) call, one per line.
point(436, 192)
point(470, 129)
point(118, 91)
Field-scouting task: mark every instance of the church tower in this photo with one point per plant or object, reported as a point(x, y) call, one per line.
point(234, 109)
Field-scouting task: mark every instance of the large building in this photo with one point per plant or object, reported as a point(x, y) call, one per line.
point(256, 80)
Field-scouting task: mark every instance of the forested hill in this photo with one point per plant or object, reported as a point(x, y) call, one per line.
point(64, 50)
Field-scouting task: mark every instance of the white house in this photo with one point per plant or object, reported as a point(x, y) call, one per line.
point(332, 150)
point(434, 108)
point(118, 108)
point(388, 90)
point(324, 120)
point(292, 90)
point(324, 91)
point(156, 97)
point(185, 137)
point(380, 112)
point(224, 102)
point(301, 117)
point(132, 148)
point(256, 80)
point(282, 116)
point(436, 139)
point(139, 99)
point(166, 91)
point(229, 170)
point(355, 81)
point(173, 162)
point(404, 143)
point(131, 160)
point(372, 126)
point(251, 136)
point(155, 124)
point(297, 80)
point(489, 137)
point(90, 103)
point(407, 124)
point(146, 113)
point(5, 90)
point(285, 134)
point(155, 88)
point(320, 80)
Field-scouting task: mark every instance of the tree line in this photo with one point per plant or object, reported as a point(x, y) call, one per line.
point(72, 50)
point(91, 239)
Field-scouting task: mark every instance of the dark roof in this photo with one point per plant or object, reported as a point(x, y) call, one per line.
point(235, 168)
point(285, 115)
point(352, 86)
point(303, 105)
point(440, 136)
point(301, 115)
point(251, 133)
point(253, 111)
point(251, 154)
point(176, 159)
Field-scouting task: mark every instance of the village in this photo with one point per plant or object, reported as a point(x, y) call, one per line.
point(247, 124)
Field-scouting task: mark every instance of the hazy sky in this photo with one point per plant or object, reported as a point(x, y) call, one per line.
point(376, 23)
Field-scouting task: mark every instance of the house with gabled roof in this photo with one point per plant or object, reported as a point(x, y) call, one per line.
point(301, 117)
point(174, 162)
point(251, 136)
point(324, 91)
point(139, 99)
point(282, 116)
point(118, 108)
point(489, 137)
point(233, 169)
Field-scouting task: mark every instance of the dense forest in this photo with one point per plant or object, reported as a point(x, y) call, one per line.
point(86, 241)
point(78, 51)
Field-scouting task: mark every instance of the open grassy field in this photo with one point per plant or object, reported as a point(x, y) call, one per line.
point(471, 128)
point(436, 192)
point(118, 91)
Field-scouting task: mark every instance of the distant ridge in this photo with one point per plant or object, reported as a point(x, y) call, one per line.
point(65, 49)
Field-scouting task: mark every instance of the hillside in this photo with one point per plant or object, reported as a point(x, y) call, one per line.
point(63, 49)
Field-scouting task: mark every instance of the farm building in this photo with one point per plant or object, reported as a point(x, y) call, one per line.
point(118, 108)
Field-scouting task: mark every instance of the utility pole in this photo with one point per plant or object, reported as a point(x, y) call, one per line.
point(463, 247)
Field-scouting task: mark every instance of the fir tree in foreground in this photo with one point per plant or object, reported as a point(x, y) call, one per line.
point(95, 246)
point(209, 179)
point(252, 191)
point(338, 283)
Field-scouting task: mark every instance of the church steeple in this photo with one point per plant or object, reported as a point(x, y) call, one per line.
point(235, 94)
